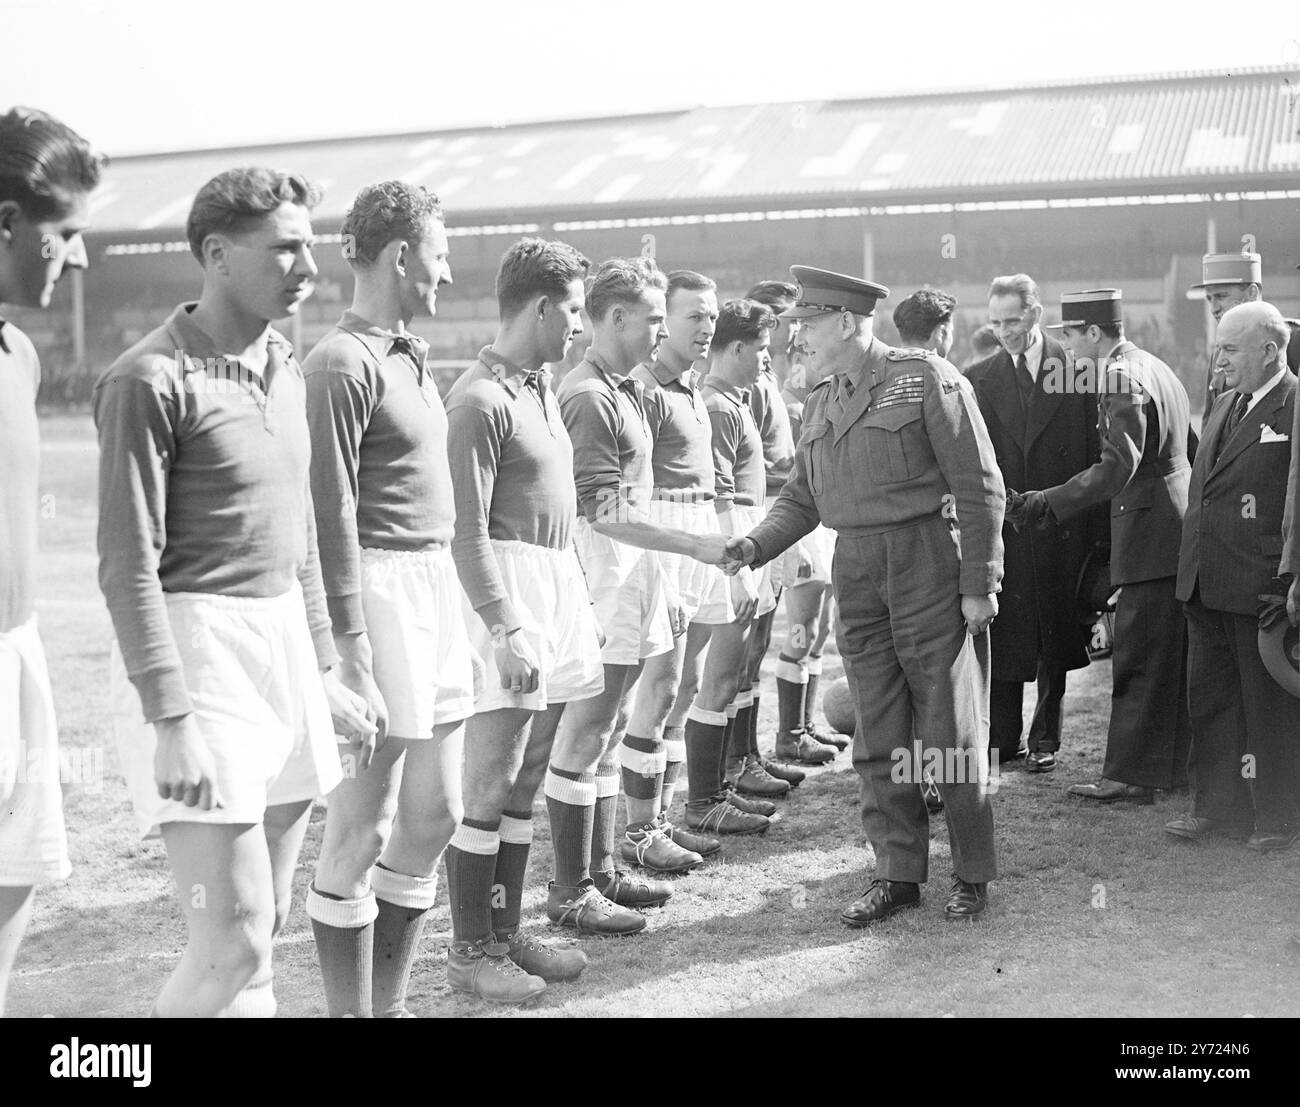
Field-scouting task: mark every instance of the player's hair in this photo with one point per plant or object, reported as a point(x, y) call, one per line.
point(1019, 284)
point(687, 280)
point(622, 281)
point(985, 341)
point(233, 201)
point(44, 163)
point(778, 295)
point(384, 212)
point(922, 311)
point(741, 320)
point(534, 267)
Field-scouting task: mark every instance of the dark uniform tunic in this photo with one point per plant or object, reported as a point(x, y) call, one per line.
point(1143, 473)
point(895, 456)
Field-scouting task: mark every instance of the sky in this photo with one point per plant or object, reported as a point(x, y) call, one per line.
point(139, 76)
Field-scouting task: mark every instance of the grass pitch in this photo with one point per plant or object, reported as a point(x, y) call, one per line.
point(1097, 912)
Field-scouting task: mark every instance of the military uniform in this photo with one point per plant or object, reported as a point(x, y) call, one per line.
point(1143, 473)
point(893, 454)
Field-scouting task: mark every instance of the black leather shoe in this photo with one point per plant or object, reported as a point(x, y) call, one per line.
point(880, 900)
point(966, 900)
point(1112, 791)
point(1197, 827)
point(1268, 841)
point(1040, 762)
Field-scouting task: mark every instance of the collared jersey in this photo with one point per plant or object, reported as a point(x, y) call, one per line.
point(203, 487)
point(739, 473)
point(379, 473)
point(20, 457)
point(679, 423)
point(895, 441)
point(511, 468)
point(774, 425)
point(612, 446)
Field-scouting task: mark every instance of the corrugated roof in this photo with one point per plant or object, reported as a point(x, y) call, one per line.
point(1180, 132)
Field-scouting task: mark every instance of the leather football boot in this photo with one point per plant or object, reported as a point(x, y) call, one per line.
point(628, 890)
point(716, 816)
point(589, 912)
point(750, 804)
point(485, 969)
point(827, 737)
point(651, 848)
point(696, 843)
point(794, 777)
point(754, 780)
point(555, 961)
point(799, 746)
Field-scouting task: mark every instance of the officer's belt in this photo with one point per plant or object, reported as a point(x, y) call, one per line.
point(871, 529)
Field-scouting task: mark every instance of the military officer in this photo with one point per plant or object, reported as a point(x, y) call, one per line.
point(892, 454)
point(1229, 280)
point(1143, 473)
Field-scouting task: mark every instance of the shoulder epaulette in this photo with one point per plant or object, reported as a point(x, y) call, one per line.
point(908, 353)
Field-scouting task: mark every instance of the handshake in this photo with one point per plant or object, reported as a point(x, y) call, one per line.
point(1028, 509)
point(728, 554)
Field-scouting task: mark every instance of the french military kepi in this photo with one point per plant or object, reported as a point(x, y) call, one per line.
point(1097, 306)
point(821, 291)
point(1217, 269)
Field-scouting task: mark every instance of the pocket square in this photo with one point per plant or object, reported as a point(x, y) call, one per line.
point(1268, 434)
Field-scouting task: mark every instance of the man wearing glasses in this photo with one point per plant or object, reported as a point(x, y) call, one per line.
point(893, 452)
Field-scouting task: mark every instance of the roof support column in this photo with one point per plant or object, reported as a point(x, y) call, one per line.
point(868, 256)
point(78, 320)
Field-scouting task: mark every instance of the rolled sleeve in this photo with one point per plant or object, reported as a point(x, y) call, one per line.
point(136, 426)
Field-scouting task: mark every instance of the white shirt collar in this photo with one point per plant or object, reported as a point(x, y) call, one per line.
point(1265, 388)
point(1034, 352)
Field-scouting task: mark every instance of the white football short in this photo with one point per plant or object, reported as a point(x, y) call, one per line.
point(703, 590)
point(626, 588)
point(415, 618)
point(251, 671)
point(808, 561)
point(33, 842)
point(744, 519)
point(550, 599)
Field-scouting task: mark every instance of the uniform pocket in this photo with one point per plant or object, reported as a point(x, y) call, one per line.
point(895, 451)
point(813, 441)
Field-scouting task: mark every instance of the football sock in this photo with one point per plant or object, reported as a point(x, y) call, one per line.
point(403, 903)
point(571, 805)
point(344, 930)
point(512, 865)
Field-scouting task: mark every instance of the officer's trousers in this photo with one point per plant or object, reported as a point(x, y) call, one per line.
point(912, 667)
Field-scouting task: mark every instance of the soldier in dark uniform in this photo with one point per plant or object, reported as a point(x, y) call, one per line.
point(1143, 474)
point(892, 455)
point(1229, 280)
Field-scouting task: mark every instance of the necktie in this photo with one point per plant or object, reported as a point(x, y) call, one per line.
point(1235, 416)
point(1237, 413)
point(1024, 381)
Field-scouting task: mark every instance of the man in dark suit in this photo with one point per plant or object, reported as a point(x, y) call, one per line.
point(1143, 474)
point(1043, 434)
point(1245, 757)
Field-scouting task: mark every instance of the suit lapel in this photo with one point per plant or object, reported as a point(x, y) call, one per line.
point(1045, 403)
point(1004, 396)
point(872, 377)
point(1248, 430)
